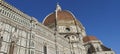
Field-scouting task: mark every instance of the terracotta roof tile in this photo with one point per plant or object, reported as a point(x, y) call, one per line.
point(61, 15)
point(50, 19)
point(89, 38)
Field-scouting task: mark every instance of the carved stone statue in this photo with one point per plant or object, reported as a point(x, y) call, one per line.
point(14, 37)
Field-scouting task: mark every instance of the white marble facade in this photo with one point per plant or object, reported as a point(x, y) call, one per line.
point(23, 34)
point(29, 36)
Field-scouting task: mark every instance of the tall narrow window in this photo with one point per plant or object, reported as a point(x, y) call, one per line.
point(45, 49)
point(11, 49)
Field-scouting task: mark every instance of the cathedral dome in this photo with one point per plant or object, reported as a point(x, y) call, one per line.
point(63, 15)
point(64, 22)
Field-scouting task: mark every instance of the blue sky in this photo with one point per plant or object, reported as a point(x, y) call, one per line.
point(101, 18)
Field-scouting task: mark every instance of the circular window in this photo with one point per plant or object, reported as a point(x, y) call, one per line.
point(68, 29)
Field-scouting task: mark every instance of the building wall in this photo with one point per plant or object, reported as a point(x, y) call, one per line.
point(29, 36)
point(23, 34)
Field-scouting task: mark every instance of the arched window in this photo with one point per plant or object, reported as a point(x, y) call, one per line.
point(45, 49)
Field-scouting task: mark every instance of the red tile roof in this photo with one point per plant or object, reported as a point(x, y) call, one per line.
point(89, 38)
point(61, 15)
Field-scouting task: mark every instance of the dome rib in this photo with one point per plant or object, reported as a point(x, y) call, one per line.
point(49, 19)
point(61, 15)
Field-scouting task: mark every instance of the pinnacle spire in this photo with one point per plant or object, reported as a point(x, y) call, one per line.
point(58, 8)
